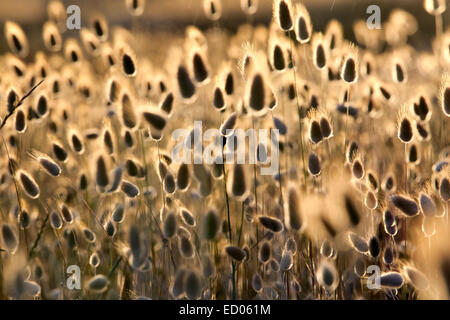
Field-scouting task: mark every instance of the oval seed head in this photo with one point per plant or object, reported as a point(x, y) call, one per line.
point(349, 71)
point(257, 282)
point(166, 104)
point(235, 253)
point(50, 166)
point(51, 36)
point(130, 189)
point(20, 121)
point(185, 84)
point(277, 59)
point(212, 9)
point(293, 216)
point(326, 250)
point(398, 72)
point(28, 184)
point(110, 228)
point(66, 213)
point(186, 248)
point(135, 7)
point(101, 174)
point(315, 133)
point(444, 189)
point(128, 62)
point(358, 243)
point(98, 284)
point(272, 224)
point(210, 225)
point(405, 130)
point(55, 220)
point(201, 74)
point(187, 217)
point(326, 128)
point(238, 185)
point(76, 142)
point(314, 164)
point(357, 169)
point(303, 27)
point(256, 96)
point(94, 260)
point(319, 53)
point(283, 13)
point(100, 27)
point(445, 99)
point(170, 225)
point(219, 99)
point(169, 184)
point(16, 38)
point(371, 200)
point(427, 205)
point(156, 118)
point(183, 177)
point(388, 256)
point(280, 125)
point(327, 276)
point(391, 280)
point(89, 235)
point(193, 285)
point(128, 115)
point(178, 284)
point(10, 240)
point(265, 252)
point(374, 247)
point(118, 214)
point(406, 205)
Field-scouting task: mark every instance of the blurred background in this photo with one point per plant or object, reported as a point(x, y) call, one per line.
point(174, 15)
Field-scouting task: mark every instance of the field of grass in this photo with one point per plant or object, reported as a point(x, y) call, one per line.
point(96, 204)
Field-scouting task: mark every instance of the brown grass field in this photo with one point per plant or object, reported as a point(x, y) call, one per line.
point(95, 204)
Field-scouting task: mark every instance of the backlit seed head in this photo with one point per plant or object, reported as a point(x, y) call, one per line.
point(28, 184)
point(405, 130)
point(135, 7)
point(210, 225)
point(391, 280)
point(283, 14)
point(212, 9)
point(238, 185)
point(49, 165)
point(358, 243)
point(349, 72)
point(292, 209)
point(249, 6)
point(303, 26)
point(314, 164)
point(51, 36)
point(129, 189)
point(319, 51)
point(327, 275)
point(98, 284)
point(16, 38)
point(272, 224)
point(405, 204)
point(235, 253)
point(10, 239)
point(94, 260)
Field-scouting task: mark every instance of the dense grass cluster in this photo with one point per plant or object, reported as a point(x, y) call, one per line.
point(88, 179)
